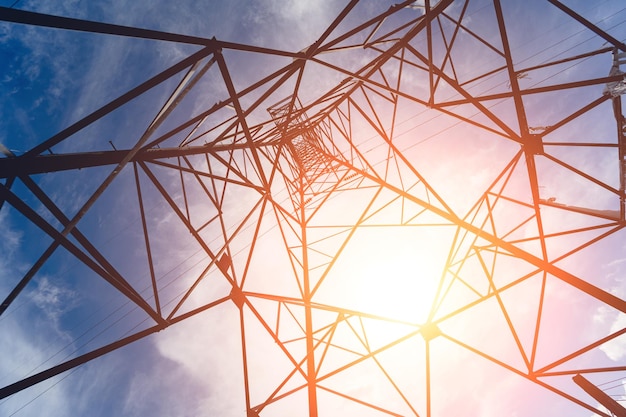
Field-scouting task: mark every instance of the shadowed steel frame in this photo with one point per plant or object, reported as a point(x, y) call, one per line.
point(298, 145)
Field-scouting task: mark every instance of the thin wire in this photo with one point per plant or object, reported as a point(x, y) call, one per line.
point(495, 86)
point(614, 386)
point(71, 372)
point(187, 259)
point(610, 382)
point(195, 264)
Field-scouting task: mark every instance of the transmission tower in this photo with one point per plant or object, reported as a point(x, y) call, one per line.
point(421, 213)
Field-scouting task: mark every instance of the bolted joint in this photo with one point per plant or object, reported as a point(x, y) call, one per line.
point(429, 331)
point(533, 144)
point(237, 296)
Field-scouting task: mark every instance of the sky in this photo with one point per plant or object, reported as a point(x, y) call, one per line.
point(391, 266)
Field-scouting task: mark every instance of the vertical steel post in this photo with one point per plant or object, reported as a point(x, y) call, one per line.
point(310, 347)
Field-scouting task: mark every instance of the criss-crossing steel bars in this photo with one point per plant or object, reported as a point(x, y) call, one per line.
point(374, 261)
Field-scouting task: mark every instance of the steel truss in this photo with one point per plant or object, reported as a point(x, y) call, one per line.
point(312, 178)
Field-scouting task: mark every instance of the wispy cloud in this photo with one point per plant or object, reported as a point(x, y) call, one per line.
point(616, 348)
point(195, 367)
point(53, 300)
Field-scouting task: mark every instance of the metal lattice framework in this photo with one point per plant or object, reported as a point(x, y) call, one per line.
point(371, 268)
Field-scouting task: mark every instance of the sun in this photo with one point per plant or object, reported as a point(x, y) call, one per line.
point(390, 273)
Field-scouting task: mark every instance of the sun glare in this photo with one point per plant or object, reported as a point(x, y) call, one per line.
point(391, 273)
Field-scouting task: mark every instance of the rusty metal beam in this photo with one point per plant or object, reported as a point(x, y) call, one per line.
point(600, 396)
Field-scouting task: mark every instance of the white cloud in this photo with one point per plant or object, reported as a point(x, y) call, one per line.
point(616, 348)
point(23, 351)
point(614, 320)
point(207, 349)
point(53, 300)
point(204, 351)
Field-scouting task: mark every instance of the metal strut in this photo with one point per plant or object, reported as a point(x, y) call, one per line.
point(301, 138)
point(616, 89)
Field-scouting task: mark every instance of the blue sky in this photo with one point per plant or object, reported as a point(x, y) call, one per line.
point(45, 70)
point(51, 78)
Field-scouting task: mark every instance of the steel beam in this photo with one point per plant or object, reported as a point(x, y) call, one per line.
point(600, 396)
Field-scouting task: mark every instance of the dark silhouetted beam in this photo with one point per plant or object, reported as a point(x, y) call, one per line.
point(613, 406)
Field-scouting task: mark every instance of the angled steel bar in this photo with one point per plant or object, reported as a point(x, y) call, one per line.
point(586, 371)
point(515, 88)
point(307, 298)
point(375, 21)
point(616, 228)
point(128, 290)
point(282, 74)
point(401, 156)
point(481, 297)
point(121, 100)
point(180, 215)
point(69, 226)
point(603, 398)
point(589, 25)
point(348, 238)
point(396, 388)
point(82, 359)
point(533, 179)
point(255, 237)
point(483, 76)
point(469, 99)
point(240, 179)
point(430, 63)
point(258, 49)
point(7, 184)
point(241, 116)
point(449, 44)
point(58, 22)
point(39, 164)
point(361, 402)
point(285, 124)
point(225, 251)
point(496, 291)
point(371, 68)
point(247, 151)
point(244, 360)
point(543, 264)
point(582, 174)
point(198, 177)
point(580, 351)
point(146, 237)
point(342, 15)
point(538, 320)
point(472, 33)
point(536, 90)
point(435, 305)
point(564, 60)
point(184, 191)
point(245, 298)
point(574, 115)
point(59, 239)
point(531, 377)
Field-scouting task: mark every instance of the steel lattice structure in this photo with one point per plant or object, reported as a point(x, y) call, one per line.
point(289, 193)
